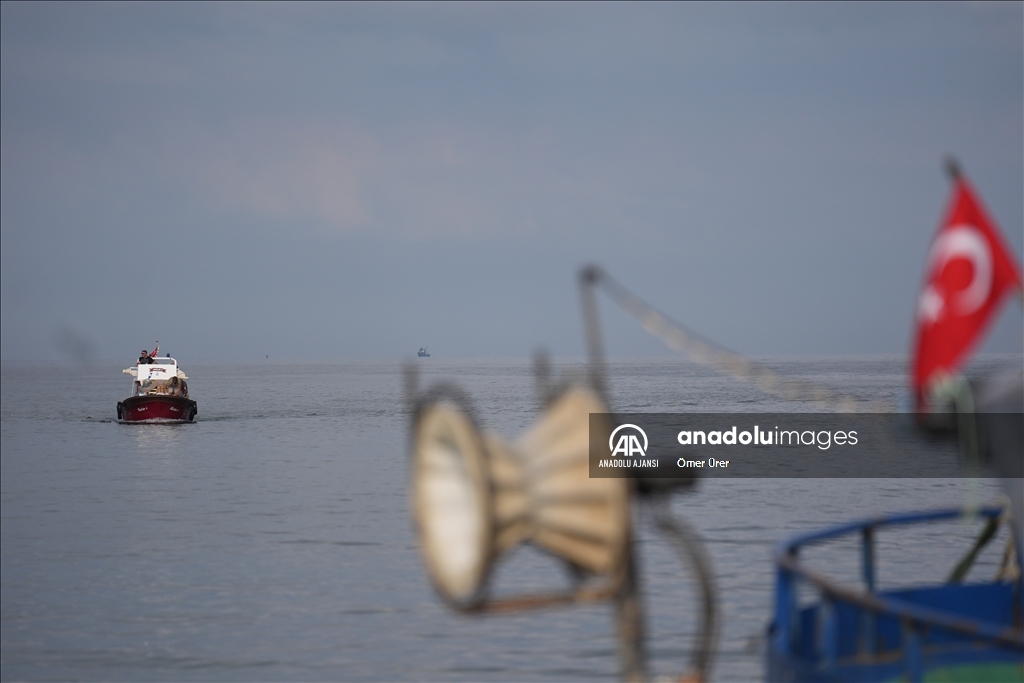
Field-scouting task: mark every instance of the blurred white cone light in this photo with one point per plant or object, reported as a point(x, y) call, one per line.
point(476, 496)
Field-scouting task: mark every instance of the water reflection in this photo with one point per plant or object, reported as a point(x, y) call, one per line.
point(158, 436)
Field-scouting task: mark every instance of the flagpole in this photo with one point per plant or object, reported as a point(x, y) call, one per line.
point(953, 169)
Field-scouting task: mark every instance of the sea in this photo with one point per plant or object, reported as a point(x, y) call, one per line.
point(271, 539)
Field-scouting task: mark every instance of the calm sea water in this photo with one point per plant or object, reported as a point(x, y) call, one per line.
point(271, 539)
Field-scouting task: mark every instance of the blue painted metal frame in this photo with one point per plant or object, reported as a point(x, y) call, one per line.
point(854, 635)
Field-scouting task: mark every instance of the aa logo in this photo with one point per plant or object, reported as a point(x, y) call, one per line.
point(628, 444)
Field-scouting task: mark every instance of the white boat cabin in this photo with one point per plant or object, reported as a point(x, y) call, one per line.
point(162, 376)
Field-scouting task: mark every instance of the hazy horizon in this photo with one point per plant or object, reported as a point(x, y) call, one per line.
point(355, 181)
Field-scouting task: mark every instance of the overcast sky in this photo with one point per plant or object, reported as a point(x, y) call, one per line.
point(355, 181)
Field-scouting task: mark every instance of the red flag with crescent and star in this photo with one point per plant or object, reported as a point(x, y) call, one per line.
point(968, 274)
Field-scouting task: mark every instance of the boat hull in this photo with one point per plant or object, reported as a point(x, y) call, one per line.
point(943, 632)
point(157, 409)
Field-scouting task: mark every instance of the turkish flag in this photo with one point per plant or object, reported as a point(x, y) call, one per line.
point(968, 273)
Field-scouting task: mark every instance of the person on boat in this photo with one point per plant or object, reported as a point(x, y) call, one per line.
point(147, 358)
point(173, 388)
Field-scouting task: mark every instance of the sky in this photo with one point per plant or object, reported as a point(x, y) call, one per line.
point(354, 181)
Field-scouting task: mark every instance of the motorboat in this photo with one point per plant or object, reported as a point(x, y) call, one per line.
point(423, 353)
point(159, 394)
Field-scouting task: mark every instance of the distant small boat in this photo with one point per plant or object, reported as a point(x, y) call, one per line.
point(423, 353)
point(159, 394)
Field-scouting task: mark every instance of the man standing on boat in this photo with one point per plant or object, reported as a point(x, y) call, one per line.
point(147, 358)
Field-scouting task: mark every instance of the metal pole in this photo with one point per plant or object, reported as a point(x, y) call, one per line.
point(630, 624)
point(589, 276)
point(628, 608)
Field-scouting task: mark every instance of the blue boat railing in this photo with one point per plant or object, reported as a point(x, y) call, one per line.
point(863, 635)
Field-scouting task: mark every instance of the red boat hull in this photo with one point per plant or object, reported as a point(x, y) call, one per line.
point(157, 408)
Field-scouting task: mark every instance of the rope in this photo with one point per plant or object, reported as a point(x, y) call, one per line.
point(707, 352)
point(688, 545)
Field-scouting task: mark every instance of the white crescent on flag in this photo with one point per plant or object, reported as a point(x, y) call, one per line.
point(959, 241)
